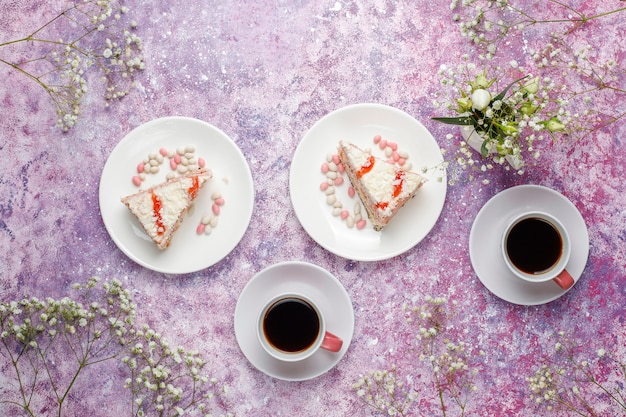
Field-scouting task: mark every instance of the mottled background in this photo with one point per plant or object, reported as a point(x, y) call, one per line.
point(264, 71)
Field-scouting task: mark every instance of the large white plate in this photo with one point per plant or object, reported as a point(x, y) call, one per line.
point(188, 251)
point(486, 237)
point(359, 124)
point(299, 277)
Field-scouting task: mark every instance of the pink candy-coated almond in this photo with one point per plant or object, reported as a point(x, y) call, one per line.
point(360, 224)
point(219, 201)
point(344, 214)
point(177, 159)
point(201, 162)
point(324, 186)
point(325, 168)
point(136, 180)
point(140, 167)
point(163, 152)
point(401, 161)
point(395, 156)
point(341, 168)
point(336, 159)
point(393, 146)
point(351, 191)
point(216, 209)
point(173, 164)
point(200, 228)
point(338, 180)
point(382, 144)
point(377, 138)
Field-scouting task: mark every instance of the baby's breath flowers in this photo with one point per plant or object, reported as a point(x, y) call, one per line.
point(58, 55)
point(167, 381)
point(502, 124)
point(566, 42)
point(49, 344)
point(570, 379)
point(449, 362)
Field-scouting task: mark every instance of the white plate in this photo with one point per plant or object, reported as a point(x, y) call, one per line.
point(359, 124)
point(188, 252)
point(486, 237)
point(304, 278)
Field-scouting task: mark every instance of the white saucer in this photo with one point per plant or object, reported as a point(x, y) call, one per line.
point(359, 124)
point(486, 235)
point(300, 277)
point(188, 252)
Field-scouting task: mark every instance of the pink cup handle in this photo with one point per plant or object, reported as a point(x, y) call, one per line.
point(331, 342)
point(564, 279)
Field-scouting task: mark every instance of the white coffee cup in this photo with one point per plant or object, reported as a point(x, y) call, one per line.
point(291, 327)
point(536, 248)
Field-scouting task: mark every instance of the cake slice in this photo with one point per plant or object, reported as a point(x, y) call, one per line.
point(160, 209)
point(382, 186)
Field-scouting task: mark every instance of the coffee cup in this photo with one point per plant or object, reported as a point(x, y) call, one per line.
point(536, 248)
point(291, 328)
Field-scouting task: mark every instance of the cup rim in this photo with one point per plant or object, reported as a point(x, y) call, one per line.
point(555, 269)
point(290, 356)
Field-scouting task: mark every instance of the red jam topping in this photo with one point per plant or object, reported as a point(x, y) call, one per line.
point(156, 206)
point(195, 186)
point(397, 184)
point(382, 205)
point(367, 167)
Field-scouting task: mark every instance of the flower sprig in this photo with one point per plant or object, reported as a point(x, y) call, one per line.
point(569, 379)
point(58, 55)
point(449, 362)
point(168, 381)
point(502, 125)
point(50, 343)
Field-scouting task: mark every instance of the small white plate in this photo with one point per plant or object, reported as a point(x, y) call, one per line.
point(304, 278)
point(359, 124)
point(486, 237)
point(188, 252)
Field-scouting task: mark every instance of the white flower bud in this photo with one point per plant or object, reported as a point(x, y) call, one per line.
point(480, 99)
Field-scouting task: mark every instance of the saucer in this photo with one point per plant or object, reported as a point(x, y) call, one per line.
point(300, 277)
point(486, 234)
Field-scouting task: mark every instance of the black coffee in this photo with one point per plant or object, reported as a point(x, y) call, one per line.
point(534, 245)
point(291, 325)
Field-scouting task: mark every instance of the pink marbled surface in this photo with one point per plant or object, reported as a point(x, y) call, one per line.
point(264, 72)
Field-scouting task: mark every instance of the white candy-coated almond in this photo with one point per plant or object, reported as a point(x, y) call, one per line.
point(182, 169)
point(207, 230)
point(403, 154)
point(206, 219)
point(338, 204)
point(357, 208)
point(336, 211)
point(332, 166)
point(407, 166)
point(216, 195)
point(350, 222)
point(214, 221)
point(388, 152)
point(330, 190)
point(330, 199)
point(331, 175)
point(190, 149)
